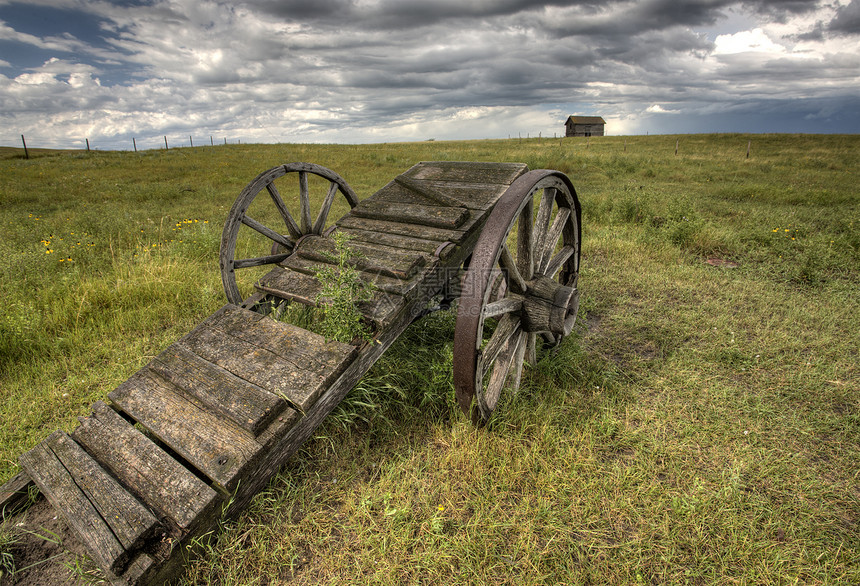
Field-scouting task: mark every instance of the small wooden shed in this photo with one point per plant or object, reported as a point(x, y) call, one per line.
point(584, 126)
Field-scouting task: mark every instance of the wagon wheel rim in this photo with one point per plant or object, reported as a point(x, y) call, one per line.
point(285, 236)
point(495, 332)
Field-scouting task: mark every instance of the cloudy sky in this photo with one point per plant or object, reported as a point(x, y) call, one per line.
point(354, 71)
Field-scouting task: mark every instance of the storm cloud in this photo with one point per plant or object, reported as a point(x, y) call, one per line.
point(389, 70)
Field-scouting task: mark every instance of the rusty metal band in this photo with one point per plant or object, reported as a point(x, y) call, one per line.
point(484, 258)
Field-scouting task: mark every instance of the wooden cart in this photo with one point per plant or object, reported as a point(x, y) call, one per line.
point(203, 427)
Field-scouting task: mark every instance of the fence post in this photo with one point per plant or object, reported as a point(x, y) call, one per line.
point(749, 144)
point(211, 141)
point(134, 142)
point(165, 144)
point(26, 152)
point(88, 144)
point(676, 146)
point(190, 141)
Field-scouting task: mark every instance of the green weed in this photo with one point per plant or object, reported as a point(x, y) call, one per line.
point(8, 539)
point(341, 291)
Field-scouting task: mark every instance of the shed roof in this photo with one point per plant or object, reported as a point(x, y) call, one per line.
point(586, 120)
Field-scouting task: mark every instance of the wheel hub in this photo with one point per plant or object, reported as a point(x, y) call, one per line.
point(549, 306)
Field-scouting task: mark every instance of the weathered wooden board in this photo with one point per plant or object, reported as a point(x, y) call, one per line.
point(424, 215)
point(283, 359)
point(108, 520)
point(459, 195)
point(138, 570)
point(476, 186)
point(386, 260)
point(466, 171)
point(145, 469)
point(398, 241)
point(402, 228)
point(424, 195)
point(14, 493)
point(215, 446)
point(246, 404)
point(291, 284)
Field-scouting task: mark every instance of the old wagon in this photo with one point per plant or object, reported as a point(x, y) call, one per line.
point(202, 428)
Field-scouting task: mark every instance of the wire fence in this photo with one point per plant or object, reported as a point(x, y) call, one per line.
point(165, 142)
point(135, 143)
point(127, 144)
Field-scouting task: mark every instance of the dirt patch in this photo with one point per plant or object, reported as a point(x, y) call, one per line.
point(722, 262)
point(45, 543)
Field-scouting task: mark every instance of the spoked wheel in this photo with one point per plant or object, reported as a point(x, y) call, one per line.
point(520, 289)
point(270, 230)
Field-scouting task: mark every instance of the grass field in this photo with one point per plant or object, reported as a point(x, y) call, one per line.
point(701, 426)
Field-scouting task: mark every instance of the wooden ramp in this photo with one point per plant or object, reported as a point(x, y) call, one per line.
point(181, 434)
point(198, 431)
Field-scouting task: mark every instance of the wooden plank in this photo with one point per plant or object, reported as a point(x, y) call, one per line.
point(140, 570)
point(467, 171)
point(215, 446)
point(435, 195)
point(15, 494)
point(247, 405)
point(382, 259)
point(64, 495)
point(402, 228)
point(109, 520)
point(147, 470)
point(425, 215)
point(291, 285)
point(409, 243)
point(285, 340)
point(473, 196)
point(284, 359)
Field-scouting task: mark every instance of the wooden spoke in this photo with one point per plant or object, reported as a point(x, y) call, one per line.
point(543, 217)
point(531, 349)
point(502, 306)
point(319, 224)
point(305, 202)
point(292, 227)
point(526, 243)
point(552, 237)
point(561, 257)
point(502, 367)
point(516, 367)
point(514, 278)
point(498, 286)
point(508, 325)
point(267, 232)
point(244, 263)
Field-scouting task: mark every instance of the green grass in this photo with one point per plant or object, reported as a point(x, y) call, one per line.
point(700, 426)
